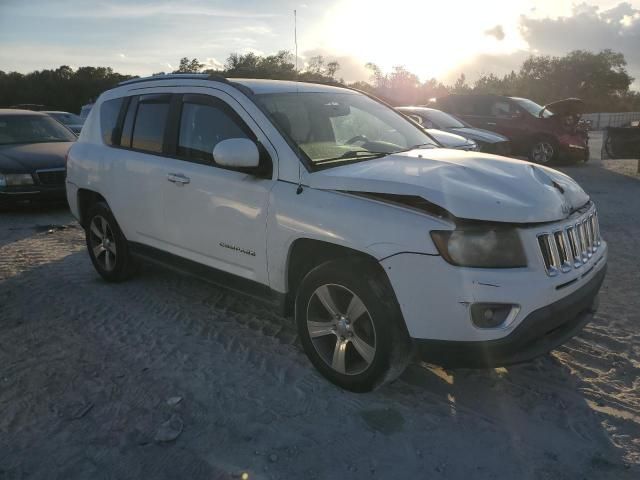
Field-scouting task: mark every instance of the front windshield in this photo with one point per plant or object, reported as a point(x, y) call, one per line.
point(67, 118)
point(32, 129)
point(440, 119)
point(339, 127)
point(532, 107)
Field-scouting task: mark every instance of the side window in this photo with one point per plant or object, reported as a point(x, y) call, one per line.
point(464, 105)
point(109, 113)
point(203, 123)
point(501, 109)
point(150, 123)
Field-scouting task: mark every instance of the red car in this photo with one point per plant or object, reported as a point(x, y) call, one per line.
point(544, 134)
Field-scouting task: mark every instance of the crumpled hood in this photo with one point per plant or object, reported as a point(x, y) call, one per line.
point(469, 185)
point(26, 158)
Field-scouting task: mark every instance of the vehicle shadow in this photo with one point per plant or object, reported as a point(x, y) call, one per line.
point(24, 219)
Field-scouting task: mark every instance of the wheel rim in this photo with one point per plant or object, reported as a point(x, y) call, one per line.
point(103, 243)
point(341, 329)
point(542, 152)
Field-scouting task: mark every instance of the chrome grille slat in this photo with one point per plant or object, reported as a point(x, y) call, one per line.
point(570, 246)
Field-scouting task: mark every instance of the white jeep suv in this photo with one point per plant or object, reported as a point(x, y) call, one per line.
point(331, 205)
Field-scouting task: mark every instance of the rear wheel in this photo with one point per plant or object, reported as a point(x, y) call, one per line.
point(350, 325)
point(107, 245)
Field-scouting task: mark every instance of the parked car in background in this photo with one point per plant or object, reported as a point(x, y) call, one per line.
point(84, 111)
point(70, 120)
point(344, 213)
point(430, 118)
point(544, 134)
point(451, 140)
point(33, 147)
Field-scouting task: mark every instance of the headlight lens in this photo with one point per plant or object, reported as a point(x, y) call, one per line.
point(15, 179)
point(481, 248)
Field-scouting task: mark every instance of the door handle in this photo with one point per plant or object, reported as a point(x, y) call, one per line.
point(178, 178)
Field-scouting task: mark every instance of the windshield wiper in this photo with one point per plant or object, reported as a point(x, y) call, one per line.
point(353, 154)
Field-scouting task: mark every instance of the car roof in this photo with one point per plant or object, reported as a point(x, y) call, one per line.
point(57, 111)
point(17, 111)
point(254, 85)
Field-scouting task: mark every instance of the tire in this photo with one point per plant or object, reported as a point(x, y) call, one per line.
point(543, 150)
point(359, 339)
point(107, 246)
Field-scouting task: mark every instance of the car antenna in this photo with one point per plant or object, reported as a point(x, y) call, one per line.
point(295, 40)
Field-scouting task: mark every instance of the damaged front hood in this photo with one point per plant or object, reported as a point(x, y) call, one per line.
point(469, 185)
point(568, 106)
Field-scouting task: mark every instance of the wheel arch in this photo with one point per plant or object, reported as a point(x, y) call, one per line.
point(306, 253)
point(87, 198)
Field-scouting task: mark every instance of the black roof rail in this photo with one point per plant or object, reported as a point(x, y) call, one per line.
point(173, 76)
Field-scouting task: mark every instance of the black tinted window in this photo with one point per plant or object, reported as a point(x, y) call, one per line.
point(150, 124)
point(109, 112)
point(202, 127)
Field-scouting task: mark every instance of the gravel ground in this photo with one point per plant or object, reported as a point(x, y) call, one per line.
point(167, 377)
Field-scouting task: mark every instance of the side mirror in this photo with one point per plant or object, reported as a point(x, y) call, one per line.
point(236, 153)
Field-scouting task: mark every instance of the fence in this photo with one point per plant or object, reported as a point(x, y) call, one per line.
point(600, 121)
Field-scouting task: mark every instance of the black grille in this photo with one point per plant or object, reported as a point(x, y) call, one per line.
point(51, 177)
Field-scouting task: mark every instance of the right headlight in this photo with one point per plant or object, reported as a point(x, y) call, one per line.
point(481, 247)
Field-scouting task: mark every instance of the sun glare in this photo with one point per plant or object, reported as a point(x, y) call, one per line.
point(433, 39)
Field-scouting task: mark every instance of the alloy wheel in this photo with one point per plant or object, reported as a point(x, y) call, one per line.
point(103, 243)
point(542, 152)
point(341, 329)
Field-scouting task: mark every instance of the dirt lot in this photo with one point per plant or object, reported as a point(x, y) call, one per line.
point(167, 377)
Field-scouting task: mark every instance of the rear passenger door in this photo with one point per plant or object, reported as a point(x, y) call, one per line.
point(215, 215)
point(137, 169)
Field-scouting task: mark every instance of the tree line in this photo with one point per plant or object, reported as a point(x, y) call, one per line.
point(600, 79)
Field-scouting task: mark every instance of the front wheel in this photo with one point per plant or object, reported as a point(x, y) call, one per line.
point(350, 325)
point(543, 151)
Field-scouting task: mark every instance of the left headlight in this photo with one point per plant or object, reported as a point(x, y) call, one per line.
point(15, 179)
point(481, 247)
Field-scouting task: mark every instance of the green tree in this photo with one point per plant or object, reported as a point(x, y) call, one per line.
point(189, 66)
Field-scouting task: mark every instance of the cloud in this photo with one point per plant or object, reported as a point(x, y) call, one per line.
point(497, 32)
point(129, 10)
point(589, 28)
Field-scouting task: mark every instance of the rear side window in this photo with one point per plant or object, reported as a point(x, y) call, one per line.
point(150, 123)
point(203, 125)
point(109, 113)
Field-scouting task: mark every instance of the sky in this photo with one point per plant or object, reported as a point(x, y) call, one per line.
point(430, 38)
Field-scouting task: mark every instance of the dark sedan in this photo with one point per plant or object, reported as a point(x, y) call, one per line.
point(488, 142)
point(33, 147)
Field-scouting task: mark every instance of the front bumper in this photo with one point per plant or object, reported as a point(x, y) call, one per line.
point(435, 297)
point(540, 332)
point(32, 192)
point(574, 147)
